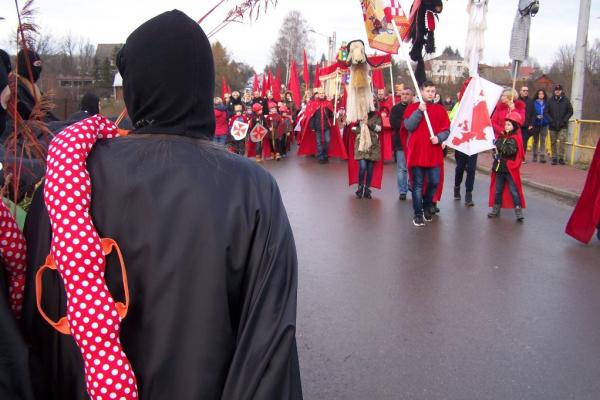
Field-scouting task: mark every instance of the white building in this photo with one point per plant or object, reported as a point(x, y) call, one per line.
point(446, 69)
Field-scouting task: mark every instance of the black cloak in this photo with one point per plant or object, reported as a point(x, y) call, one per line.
point(209, 251)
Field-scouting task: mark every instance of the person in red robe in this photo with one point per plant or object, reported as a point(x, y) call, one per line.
point(260, 150)
point(234, 145)
point(384, 108)
point(273, 121)
point(586, 215)
point(424, 153)
point(506, 190)
point(320, 134)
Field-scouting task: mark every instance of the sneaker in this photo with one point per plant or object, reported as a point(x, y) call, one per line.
point(561, 161)
point(402, 196)
point(418, 220)
point(554, 162)
point(427, 214)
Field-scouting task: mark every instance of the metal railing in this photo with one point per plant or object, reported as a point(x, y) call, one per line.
point(576, 133)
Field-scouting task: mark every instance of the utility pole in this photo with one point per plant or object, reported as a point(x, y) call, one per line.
point(579, 65)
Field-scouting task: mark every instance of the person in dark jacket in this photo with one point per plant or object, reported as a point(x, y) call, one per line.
point(396, 119)
point(540, 126)
point(558, 111)
point(526, 128)
point(89, 106)
point(205, 239)
point(322, 123)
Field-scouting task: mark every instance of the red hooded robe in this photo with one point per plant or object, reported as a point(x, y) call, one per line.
point(586, 215)
point(308, 138)
point(384, 108)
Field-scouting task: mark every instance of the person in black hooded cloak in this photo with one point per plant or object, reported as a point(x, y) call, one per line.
point(209, 252)
point(89, 106)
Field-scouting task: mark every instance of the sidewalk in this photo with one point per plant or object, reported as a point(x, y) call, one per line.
point(560, 180)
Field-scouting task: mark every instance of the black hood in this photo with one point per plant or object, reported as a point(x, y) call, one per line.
point(5, 69)
point(29, 56)
point(168, 77)
point(90, 103)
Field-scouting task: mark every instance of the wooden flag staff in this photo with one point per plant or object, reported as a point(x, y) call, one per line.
point(403, 54)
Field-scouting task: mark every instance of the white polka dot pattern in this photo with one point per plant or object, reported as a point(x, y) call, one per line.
point(13, 251)
point(77, 250)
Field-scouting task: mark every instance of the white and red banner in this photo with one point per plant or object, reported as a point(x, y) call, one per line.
point(471, 130)
point(239, 130)
point(258, 133)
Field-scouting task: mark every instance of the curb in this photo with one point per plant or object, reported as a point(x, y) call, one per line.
point(564, 194)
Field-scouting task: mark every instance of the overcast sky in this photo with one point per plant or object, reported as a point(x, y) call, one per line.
point(110, 21)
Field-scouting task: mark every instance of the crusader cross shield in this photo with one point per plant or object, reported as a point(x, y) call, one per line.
point(258, 133)
point(239, 130)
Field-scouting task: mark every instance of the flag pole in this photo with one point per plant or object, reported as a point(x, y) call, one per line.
point(392, 82)
point(336, 94)
point(516, 74)
point(414, 79)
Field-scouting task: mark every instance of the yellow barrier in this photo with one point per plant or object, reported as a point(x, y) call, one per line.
point(576, 131)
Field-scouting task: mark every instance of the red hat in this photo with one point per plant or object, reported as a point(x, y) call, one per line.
point(514, 117)
point(283, 109)
point(272, 105)
point(257, 107)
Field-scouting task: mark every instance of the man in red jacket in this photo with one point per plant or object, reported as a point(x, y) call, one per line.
point(425, 156)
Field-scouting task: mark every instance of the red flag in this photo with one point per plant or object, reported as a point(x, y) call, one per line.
point(265, 85)
point(256, 84)
point(223, 87)
point(378, 82)
point(305, 73)
point(294, 85)
point(277, 85)
point(270, 81)
point(317, 82)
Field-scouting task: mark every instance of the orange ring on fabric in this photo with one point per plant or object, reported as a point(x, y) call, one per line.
point(62, 325)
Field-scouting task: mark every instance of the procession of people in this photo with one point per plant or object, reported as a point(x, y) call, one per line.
point(173, 201)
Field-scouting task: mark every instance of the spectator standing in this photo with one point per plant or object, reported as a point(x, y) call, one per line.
point(540, 126)
point(558, 110)
point(505, 106)
point(527, 127)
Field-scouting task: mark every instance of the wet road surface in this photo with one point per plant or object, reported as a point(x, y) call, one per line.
point(464, 308)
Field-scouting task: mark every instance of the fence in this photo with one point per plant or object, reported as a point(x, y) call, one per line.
point(585, 137)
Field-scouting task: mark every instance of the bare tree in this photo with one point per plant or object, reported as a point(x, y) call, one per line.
point(86, 56)
point(292, 40)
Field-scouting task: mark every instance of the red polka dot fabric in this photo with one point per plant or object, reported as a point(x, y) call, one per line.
point(77, 251)
point(13, 252)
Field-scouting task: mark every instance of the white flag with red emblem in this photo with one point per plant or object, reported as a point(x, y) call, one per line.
point(258, 133)
point(239, 130)
point(471, 131)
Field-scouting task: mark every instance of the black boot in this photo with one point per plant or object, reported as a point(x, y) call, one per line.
point(469, 199)
point(359, 192)
point(456, 192)
point(367, 193)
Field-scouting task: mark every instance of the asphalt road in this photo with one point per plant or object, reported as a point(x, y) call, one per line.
point(464, 308)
